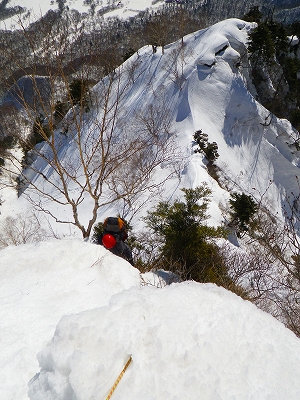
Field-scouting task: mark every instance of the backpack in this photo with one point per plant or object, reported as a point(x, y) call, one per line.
point(115, 226)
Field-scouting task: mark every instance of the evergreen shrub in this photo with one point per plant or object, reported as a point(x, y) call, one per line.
point(243, 208)
point(185, 242)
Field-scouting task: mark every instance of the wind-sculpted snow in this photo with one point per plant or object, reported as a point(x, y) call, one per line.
point(225, 39)
point(187, 341)
point(202, 84)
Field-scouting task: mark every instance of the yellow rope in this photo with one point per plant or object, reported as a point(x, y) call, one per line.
point(118, 379)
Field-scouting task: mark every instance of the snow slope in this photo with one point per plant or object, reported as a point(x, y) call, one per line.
point(80, 312)
point(204, 85)
point(187, 340)
point(40, 283)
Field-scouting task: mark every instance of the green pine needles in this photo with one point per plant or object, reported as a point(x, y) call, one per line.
point(209, 149)
point(243, 208)
point(186, 242)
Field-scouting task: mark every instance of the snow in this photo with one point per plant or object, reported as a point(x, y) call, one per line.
point(208, 91)
point(72, 313)
point(40, 283)
point(38, 8)
point(41, 7)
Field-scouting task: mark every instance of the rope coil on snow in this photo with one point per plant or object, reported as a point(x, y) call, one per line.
point(118, 379)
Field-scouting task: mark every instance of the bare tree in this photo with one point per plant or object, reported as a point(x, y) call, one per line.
point(175, 65)
point(157, 32)
point(101, 153)
point(267, 265)
point(23, 229)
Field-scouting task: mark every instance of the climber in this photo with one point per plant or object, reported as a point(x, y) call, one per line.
point(114, 236)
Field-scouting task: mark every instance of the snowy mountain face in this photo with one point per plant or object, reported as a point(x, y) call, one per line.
point(10, 10)
point(83, 310)
point(200, 84)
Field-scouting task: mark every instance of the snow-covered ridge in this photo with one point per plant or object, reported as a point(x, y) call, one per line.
point(83, 310)
point(227, 43)
point(203, 84)
point(187, 340)
point(40, 283)
point(184, 339)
